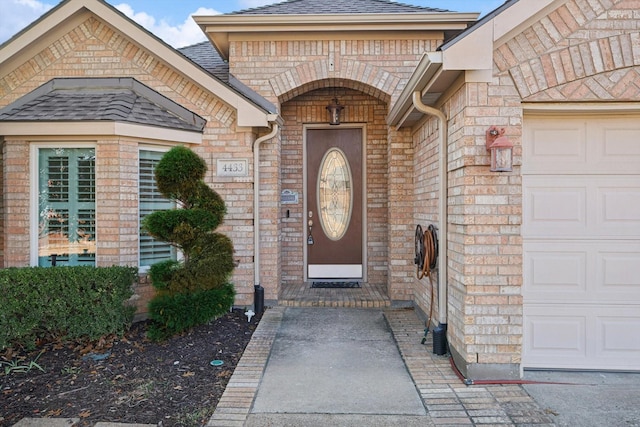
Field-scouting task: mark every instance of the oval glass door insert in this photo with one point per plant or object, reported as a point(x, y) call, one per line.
point(335, 194)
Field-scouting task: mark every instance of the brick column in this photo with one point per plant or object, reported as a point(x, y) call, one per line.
point(117, 203)
point(400, 206)
point(485, 250)
point(15, 199)
point(270, 223)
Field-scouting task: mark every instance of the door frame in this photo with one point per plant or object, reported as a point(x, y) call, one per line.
point(305, 128)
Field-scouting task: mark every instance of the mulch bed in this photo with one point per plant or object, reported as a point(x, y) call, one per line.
point(128, 379)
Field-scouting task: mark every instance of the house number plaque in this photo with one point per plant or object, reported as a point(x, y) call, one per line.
point(288, 197)
point(232, 167)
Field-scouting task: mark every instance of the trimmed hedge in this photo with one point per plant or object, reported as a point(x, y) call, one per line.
point(64, 302)
point(174, 313)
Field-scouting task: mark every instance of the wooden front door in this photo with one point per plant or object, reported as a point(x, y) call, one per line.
point(334, 203)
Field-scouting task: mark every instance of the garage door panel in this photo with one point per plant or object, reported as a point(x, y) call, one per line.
point(582, 337)
point(577, 206)
point(620, 147)
point(619, 274)
point(558, 146)
point(561, 274)
point(554, 210)
point(581, 272)
point(581, 242)
point(619, 208)
point(620, 337)
point(557, 339)
point(565, 146)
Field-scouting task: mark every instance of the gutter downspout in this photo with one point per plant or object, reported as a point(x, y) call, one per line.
point(443, 273)
point(256, 199)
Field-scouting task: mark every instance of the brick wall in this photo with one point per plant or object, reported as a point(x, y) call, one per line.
point(278, 69)
point(369, 75)
point(580, 52)
point(2, 203)
point(401, 223)
point(16, 203)
point(94, 49)
point(425, 144)
point(310, 108)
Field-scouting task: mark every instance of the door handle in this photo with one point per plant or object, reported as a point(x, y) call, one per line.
point(310, 238)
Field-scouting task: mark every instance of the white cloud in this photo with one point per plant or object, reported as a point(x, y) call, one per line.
point(184, 34)
point(23, 13)
point(248, 4)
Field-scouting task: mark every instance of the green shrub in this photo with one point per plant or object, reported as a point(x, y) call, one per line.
point(173, 313)
point(179, 173)
point(195, 290)
point(161, 273)
point(64, 302)
point(183, 227)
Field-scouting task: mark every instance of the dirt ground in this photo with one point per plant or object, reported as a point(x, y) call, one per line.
point(128, 379)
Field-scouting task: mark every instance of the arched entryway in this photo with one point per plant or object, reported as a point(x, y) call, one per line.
point(363, 137)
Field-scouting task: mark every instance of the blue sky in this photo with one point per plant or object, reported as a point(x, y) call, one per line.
point(170, 19)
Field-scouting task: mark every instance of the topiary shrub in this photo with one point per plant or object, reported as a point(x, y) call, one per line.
point(196, 289)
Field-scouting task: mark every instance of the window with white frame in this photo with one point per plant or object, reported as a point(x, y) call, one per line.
point(66, 206)
point(150, 200)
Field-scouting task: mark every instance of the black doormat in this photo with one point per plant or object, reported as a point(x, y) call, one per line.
point(335, 284)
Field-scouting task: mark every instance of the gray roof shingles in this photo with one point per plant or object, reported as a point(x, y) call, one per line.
point(124, 100)
point(322, 7)
point(205, 55)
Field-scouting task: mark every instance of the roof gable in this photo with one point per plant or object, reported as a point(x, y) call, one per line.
point(101, 99)
point(306, 7)
point(338, 18)
point(16, 50)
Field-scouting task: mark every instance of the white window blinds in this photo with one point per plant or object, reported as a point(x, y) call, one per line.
point(151, 251)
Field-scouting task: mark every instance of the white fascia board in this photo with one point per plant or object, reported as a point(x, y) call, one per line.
point(248, 113)
point(157, 133)
point(42, 27)
point(311, 22)
point(92, 128)
point(520, 13)
point(249, 116)
point(473, 52)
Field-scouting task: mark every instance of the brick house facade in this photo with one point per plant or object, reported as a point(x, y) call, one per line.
point(422, 86)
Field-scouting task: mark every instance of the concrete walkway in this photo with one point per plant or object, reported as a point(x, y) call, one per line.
point(355, 367)
point(259, 390)
point(330, 362)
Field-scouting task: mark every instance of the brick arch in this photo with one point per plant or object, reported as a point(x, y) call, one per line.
point(618, 85)
point(604, 62)
point(335, 83)
point(357, 75)
point(553, 55)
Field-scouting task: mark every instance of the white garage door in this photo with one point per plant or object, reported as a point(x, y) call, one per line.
point(581, 237)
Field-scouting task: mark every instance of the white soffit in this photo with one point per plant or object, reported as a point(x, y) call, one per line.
point(104, 128)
